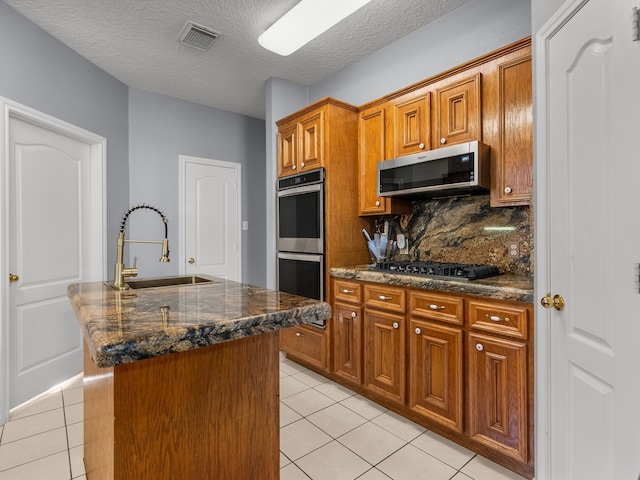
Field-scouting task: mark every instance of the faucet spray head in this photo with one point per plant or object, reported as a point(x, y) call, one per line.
point(165, 251)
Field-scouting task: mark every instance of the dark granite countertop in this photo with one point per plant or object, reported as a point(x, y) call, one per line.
point(126, 327)
point(517, 288)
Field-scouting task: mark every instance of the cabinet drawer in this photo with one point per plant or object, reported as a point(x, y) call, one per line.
point(503, 319)
point(306, 343)
point(345, 291)
point(444, 308)
point(385, 298)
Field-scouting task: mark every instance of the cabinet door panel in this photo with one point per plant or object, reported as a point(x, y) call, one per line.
point(435, 372)
point(311, 142)
point(458, 112)
point(514, 165)
point(412, 125)
point(498, 394)
point(306, 343)
point(347, 342)
point(384, 353)
point(372, 131)
point(287, 153)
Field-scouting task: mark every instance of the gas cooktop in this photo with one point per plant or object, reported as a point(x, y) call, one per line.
point(438, 269)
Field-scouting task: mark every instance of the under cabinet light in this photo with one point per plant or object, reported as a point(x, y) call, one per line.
point(306, 21)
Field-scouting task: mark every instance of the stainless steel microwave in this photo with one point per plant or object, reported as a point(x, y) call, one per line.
point(461, 169)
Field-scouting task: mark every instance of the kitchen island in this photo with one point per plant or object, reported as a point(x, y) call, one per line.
point(183, 381)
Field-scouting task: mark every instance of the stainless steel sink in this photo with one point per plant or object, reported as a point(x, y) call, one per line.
point(167, 282)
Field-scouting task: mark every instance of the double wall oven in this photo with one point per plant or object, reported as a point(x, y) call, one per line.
point(300, 234)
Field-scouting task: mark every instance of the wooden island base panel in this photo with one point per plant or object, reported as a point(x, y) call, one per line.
point(183, 382)
point(201, 414)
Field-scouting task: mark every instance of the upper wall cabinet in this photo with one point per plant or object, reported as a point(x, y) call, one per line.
point(512, 161)
point(458, 112)
point(372, 144)
point(301, 144)
point(374, 137)
point(412, 123)
point(487, 99)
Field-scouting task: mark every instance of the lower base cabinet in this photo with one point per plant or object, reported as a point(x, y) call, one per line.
point(384, 354)
point(347, 342)
point(435, 372)
point(307, 344)
point(460, 365)
point(498, 394)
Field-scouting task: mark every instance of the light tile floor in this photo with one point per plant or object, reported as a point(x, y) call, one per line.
point(327, 432)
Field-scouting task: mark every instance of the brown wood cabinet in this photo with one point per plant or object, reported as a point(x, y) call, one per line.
point(458, 111)
point(347, 331)
point(435, 372)
point(436, 357)
point(512, 161)
point(384, 353)
point(498, 414)
point(307, 344)
point(487, 99)
point(374, 128)
point(186, 414)
point(412, 123)
point(326, 132)
point(460, 365)
point(384, 341)
point(500, 373)
point(301, 144)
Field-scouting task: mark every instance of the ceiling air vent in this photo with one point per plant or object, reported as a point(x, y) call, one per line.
point(198, 36)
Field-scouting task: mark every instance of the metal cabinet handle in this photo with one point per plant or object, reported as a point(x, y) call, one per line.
point(443, 140)
point(421, 146)
point(293, 167)
point(377, 203)
point(418, 331)
point(13, 278)
point(507, 190)
point(384, 299)
point(191, 260)
point(298, 334)
point(436, 307)
point(479, 347)
point(353, 315)
point(347, 291)
point(496, 318)
point(395, 325)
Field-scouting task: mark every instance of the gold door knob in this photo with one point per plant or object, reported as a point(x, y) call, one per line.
point(191, 260)
point(557, 301)
point(13, 278)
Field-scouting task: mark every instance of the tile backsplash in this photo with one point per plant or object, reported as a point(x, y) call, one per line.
point(466, 230)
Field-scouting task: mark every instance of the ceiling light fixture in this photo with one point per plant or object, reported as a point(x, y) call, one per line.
point(306, 21)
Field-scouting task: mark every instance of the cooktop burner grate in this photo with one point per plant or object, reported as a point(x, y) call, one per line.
point(439, 269)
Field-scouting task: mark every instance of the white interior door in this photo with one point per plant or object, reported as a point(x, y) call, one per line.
point(588, 244)
point(54, 237)
point(210, 218)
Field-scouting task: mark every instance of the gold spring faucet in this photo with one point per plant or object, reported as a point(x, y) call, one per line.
point(120, 271)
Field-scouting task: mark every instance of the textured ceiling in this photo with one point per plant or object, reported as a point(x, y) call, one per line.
point(136, 41)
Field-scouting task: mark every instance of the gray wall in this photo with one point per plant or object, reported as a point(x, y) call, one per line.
point(38, 71)
point(282, 98)
point(542, 11)
point(471, 31)
point(160, 129)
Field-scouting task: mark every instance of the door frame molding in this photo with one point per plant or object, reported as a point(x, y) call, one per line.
point(8, 110)
point(542, 279)
point(184, 160)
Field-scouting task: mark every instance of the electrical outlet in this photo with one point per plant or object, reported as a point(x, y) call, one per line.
point(513, 249)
